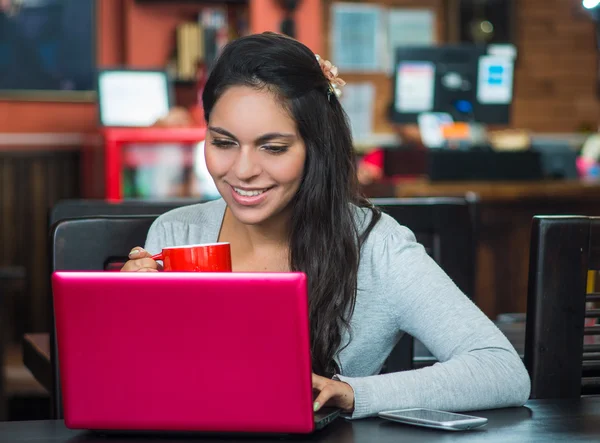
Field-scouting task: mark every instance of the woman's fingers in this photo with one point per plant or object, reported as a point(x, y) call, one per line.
point(325, 395)
point(333, 393)
point(138, 252)
point(318, 382)
point(140, 261)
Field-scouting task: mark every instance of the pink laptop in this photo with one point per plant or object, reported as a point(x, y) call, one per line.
point(208, 352)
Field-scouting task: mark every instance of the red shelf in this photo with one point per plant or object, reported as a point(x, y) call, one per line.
point(154, 135)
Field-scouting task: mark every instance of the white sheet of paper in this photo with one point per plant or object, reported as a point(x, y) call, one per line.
point(133, 98)
point(357, 37)
point(409, 27)
point(495, 80)
point(358, 101)
point(415, 87)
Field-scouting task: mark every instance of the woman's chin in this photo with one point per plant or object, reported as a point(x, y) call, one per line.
point(251, 216)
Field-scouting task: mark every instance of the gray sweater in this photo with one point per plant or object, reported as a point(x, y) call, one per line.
point(400, 290)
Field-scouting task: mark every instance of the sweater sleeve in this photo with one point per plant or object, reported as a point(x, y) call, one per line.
point(156, 239)
point(478, 368)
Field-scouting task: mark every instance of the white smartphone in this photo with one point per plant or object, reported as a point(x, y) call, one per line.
point(434, 419)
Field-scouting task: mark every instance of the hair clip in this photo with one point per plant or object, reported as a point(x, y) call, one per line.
point(331, 74)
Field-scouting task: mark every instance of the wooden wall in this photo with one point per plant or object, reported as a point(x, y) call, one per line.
point(32, 180)
point(557, 73)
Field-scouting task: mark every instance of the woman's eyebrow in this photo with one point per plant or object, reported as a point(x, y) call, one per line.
point(222, 131)
point(260, 140)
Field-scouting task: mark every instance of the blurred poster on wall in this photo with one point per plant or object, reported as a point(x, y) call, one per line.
point(409, 27)
point(47, 49)
point(357, 37)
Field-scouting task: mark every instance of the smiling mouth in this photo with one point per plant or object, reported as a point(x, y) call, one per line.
point(252, 193)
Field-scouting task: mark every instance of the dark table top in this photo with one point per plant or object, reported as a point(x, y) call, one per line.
point(539, 421)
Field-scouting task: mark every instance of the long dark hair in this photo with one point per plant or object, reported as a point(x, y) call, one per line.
point(325, 237)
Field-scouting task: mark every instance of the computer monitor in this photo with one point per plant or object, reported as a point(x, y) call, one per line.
point(469, 82)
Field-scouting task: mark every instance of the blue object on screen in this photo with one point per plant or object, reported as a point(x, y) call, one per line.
point(463, 106)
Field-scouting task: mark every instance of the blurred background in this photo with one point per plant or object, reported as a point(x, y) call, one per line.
point(101, 99)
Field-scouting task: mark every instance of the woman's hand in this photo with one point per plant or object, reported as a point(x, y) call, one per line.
point(332, 393)
point(140, 261)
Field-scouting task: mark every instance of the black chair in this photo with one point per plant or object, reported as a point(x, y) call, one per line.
point(446, 227)
point(86, 208)
point(90, 244)
point(560, 364)
point(443, 225)
point(81, 208)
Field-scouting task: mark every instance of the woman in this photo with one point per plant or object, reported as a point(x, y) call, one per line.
point(280, 152)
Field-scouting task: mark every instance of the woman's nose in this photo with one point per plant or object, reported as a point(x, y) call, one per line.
point(246, 165)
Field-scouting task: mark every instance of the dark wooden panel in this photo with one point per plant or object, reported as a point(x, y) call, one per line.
point(36, 356)
point(31, 181)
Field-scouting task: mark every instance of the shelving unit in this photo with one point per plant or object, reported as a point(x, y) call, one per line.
point(106, 156)
point(151, 40)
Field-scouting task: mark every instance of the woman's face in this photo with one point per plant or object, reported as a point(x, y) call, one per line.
point(254, 154)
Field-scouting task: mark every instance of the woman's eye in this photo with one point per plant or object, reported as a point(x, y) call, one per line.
point(275, 149)
point(223, 143)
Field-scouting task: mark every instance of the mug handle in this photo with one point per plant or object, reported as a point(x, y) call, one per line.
point(158, 257)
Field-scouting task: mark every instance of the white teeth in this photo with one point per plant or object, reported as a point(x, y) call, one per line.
point(248, 193)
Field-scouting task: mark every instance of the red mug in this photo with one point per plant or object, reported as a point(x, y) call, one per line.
point(210, 257)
